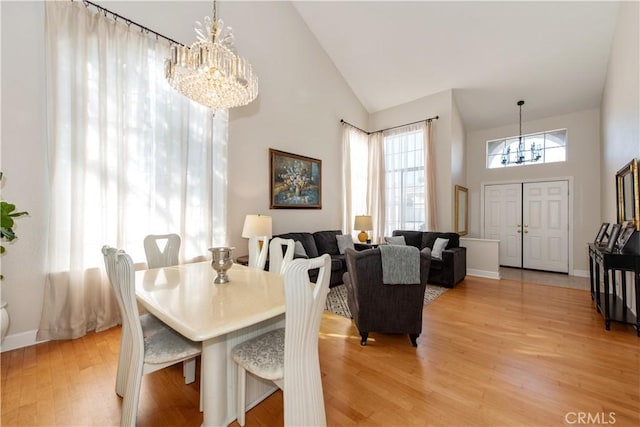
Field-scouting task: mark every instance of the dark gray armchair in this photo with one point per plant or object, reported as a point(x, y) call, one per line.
point(376, 307)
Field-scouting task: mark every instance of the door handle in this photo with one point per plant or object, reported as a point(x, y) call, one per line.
point(526, 231)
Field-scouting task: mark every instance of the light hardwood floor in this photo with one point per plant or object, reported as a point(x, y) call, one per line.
point(492, 353)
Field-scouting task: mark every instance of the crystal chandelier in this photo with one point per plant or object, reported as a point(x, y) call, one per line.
point(210, 72)
point(536, 151)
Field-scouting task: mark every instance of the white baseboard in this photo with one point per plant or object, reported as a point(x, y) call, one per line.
point(581, 273)
point(23, 339)
point(483, 273)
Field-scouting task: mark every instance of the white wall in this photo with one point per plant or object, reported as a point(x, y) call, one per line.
point(458, 154)
point(483, 257)
point(620, 106)
point(440, 105)
point(583, 164)
point(23, 160)
point(302, 99)
point(620, 112)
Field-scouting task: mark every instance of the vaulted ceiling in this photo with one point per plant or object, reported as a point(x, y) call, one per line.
point(551, 54)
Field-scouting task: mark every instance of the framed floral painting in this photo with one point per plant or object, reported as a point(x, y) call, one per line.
point(296, 181)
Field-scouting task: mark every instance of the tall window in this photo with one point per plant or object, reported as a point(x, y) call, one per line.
point(128, 156)
point(404, 179)
point(537, 148)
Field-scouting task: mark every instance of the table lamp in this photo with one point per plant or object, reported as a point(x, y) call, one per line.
point(258, 229)
point(363, 223)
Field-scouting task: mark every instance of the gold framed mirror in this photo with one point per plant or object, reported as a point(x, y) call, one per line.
point(461, 221)
point(627, 194)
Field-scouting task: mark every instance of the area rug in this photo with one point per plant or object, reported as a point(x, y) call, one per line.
point(337, 298)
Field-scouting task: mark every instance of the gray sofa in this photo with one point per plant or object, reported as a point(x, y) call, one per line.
point(319, 243)
point(452, 268)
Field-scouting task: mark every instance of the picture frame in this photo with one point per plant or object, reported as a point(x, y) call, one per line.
point(295, 181)
point(461, 222)
point(602, 233)
point(625, 235)
point(613, 237)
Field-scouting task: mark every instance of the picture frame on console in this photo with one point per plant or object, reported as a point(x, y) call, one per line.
point(613, 237)
point(602, 234)
point(625, 235)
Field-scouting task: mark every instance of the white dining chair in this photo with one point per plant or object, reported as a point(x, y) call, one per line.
point(258, 249)
point(141, 352)
point(158, 256)
point(163, 250)
point(289, 356)
point(277, 259)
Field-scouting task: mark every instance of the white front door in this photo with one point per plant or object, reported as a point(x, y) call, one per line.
point(502, 221)
point(545, 231)
point(531, 221)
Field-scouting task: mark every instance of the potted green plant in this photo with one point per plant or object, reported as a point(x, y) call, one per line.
point(8, 213)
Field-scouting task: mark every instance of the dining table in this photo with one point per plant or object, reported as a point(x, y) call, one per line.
point(220, 316)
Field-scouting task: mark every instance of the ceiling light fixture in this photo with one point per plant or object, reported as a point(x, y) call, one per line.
point(536, 152)
point(210, 72)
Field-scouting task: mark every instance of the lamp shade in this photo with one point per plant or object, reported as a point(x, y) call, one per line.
point(363, 222)
point(257, 225)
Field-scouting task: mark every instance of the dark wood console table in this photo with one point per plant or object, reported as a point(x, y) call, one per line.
point(614, 307)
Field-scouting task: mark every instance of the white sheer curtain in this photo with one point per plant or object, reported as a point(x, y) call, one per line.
point(354, 175)
point(429, 178)
point(127, 156)
point(375, 182)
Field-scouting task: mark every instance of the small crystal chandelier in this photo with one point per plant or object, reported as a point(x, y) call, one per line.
point(536, 151)
point(210, 72)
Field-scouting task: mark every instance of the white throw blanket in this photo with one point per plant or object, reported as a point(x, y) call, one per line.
point(400, 264)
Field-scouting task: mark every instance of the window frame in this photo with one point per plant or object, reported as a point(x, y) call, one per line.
point(401, 221)
point(489, 156)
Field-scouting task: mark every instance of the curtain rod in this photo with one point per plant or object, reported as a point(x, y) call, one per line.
point(128, 21)
point(393, 127)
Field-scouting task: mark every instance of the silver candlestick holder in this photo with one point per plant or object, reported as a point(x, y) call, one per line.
point(221, 261)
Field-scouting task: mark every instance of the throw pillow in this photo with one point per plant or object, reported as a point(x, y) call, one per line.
point(395, 240)
point(438, 247)
point(344, 241)
point(298, 250)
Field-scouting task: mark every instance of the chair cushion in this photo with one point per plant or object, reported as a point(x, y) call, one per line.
point(395, 240)
point(436, 264)
point(307, 241)
point(167, 345)
point(413, 238)
point(262, 355)
point(151, 324)
point(337, 262)
point(326, 242)
point(429, 238)
point(344, 241)
point(438, 247)
point(298, 250)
